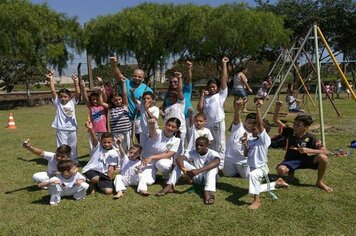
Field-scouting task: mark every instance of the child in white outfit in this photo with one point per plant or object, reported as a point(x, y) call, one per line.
point(200, 166)
point(130, 172)
point(62, 153)
point(197, 129)
point(256, 150)
point(68, 183)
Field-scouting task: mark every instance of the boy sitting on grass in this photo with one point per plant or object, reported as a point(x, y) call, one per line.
point(68, 183)
point(304, 151)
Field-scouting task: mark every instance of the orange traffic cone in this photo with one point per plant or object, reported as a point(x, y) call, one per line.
point(11, 123)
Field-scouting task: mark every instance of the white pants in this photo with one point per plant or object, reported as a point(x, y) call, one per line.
point(148, 175)
point(68, 137)
point(219, 142)
point(57, 191)
point(40, 177)
point(121, 182)
point(233, 167)
point(207, 178)
point(126, 143)
point(254, 181)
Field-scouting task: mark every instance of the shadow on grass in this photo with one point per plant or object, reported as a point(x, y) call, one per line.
point(40, 161)
point(237, 193)
point(32, 188)
point(43, 201)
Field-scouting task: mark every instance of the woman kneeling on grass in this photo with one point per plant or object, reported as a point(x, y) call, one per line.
point(158, 152)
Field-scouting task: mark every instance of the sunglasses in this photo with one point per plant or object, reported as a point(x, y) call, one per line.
point(174, 82)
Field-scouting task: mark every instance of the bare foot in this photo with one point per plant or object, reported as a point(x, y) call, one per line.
point(165, 190)
point(281, 183)
point(324, 187)
point(144, 193)
point(255, 205)
point(187, 178)
point(118, 195)
point(91, 190)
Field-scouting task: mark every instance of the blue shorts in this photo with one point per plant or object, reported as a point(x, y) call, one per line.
point(302, 163)
point(104, 180)
point(294, 110)
point(239, 92)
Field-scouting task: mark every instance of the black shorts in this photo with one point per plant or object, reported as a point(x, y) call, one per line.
point(302, 163)
point(104, 180)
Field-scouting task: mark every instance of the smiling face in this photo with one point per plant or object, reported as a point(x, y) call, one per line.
point(138, 76)
point(134, 153)
point(173, 97)
point(299, 128)
point(63, 98)
point(107, 143)
point(201, 146)
point(173, 83)
point(170, 128)
point(117, 101)
point(250, 124)
point(199, 122)
point(212, 88)
point(73, 171)
point(94, 100)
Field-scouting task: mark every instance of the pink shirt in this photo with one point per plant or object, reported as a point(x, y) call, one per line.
point(98, 118)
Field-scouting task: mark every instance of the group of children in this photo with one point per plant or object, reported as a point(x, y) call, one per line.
point(193, 148)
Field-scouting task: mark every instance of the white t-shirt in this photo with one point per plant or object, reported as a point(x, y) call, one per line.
point(196, 133)
point(214, 107)
point(143, 125)
point(234, 148)
point(52, 162)
point(201, 160)
point(129, 167)
point(101, 159)
point(65, 118)
point(258, 150)
point(160, 144)
point(176, 110)
point(68, 183)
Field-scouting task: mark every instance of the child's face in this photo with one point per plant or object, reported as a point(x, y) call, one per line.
point(173, 97)
point(299, 128)
point(255, 132)
point(147, 99)
point(170, 128)
point(61, 157)
point(212, 88)
point(117, 101)
point(107, 143)
point(202, 147)
point(199, 122)
point(94, 100)
point(134, 153)
point(64, 98)
point(249, 124)
point(73, 171)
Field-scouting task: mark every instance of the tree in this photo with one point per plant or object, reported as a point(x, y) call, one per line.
point(35, 37)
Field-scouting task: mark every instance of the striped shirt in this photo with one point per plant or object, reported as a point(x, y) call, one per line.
point(119, 120)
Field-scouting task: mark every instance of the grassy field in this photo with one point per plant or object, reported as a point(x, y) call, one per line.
point(300, 210)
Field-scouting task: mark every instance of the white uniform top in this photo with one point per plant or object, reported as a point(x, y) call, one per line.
point(234, 148)
point(68, 183)
point(52, 162)
point(176, 110)
point(258, 150)
point(196, 133)
point(129, 167)
point(201, 160)
point(143, 127)
point(160, 144)
point(101, 159)
point(65, 115)
point(214, 107)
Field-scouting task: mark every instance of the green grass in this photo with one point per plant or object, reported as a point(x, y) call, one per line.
point(301, 210)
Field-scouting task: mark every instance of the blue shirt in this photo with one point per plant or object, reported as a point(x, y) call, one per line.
point(187, 93)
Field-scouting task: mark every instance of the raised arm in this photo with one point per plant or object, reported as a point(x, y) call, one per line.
point(101, 98)
point(102, 88)
point(93, 137)
point(224, 75)
point(276, 119)
point(76, 87)
point(37, 151)
point(115, 69)
point(259, 118)
point(188, 80)
point(237, 113)
point(125, 100)
point(180, 85)
point(200, 106)
point(50, 79)
point(85, 94)
point(152, 131)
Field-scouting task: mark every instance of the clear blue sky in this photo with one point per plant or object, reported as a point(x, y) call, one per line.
point(86, 10)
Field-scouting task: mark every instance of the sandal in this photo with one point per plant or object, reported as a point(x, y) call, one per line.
point(210, 201)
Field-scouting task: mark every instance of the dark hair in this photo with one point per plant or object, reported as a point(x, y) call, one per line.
point(266, 125)
point(107, 135)
point(64, 150)
point(66, 91)
point(137, 146)
point(251, 116)
point(149, 93)
point(213, 81)
point(93, 94)
point(241, 68)
point(65, 165)
point(268, 77)
point(177, 122)
point(205, 139)
point(200, 114)
point(306, 119)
